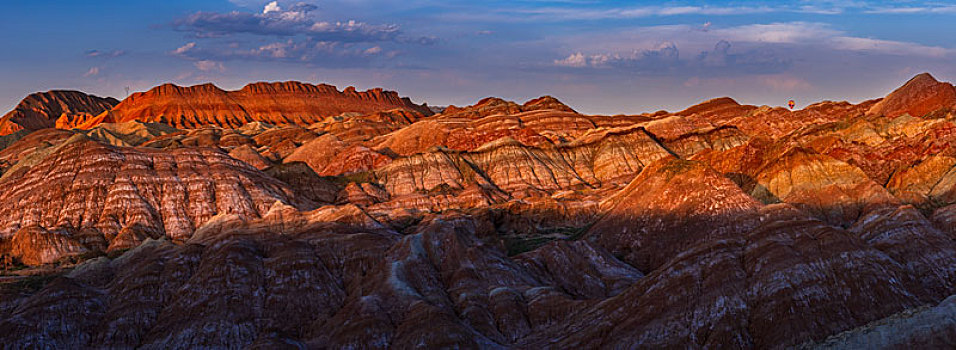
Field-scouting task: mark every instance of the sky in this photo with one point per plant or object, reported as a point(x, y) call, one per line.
point(599, 57)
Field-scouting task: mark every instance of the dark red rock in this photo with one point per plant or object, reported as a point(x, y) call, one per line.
point(919, 96)
point(496, 225)
point(44, 109)
point(275, 103)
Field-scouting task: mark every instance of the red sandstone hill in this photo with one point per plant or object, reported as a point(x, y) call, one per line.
point(919, 96)
point(496, 225)
point(276, 103)
point(45, 109)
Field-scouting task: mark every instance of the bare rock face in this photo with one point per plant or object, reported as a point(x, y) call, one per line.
point(919, 96)
point(580, 269)
point(457, 134)
point(305, 182)
point(509, 166)
point(513, 167)
point(327, 155)
point(59, 108)
point(721, 138)
point(127, 195)
point(356, 128)
point(829, 189)
point(926, 327)
point(31, 148)
point(275, 103)
point(34, 245)
point(546, 103)
point(486, 107)
point(717, 110)
point(292, 215)
point(245, 287)
point(426, 171)
point(672, 205)
point(909, 238)
point(613, 155)
point(446, 276)
point(929, 185)
point(789, 269)
point(129, 133)
point(250, 156)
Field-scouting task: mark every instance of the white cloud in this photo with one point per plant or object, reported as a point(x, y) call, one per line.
point(184, 49)
point(94, 71)
point(777, 33)
point(887, 46)
point(576, 59)
point(271, 7)
point(765, 40)
point(373, 50)
point(294, 21)
point(98, 53)
point(208, 66)
point(636, 12)
point(664, 55)
point(276, 50)
point(914, 10)
point(819, 34)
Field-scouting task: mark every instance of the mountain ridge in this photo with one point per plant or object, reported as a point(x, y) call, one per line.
point(494, 225)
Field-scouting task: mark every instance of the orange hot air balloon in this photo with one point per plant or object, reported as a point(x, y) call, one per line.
point(791, 104)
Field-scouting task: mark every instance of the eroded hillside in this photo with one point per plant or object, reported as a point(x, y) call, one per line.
point(192, 217)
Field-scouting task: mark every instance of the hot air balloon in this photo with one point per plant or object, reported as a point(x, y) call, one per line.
point(791, 103)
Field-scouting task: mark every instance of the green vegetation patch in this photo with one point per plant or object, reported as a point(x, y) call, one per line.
point(25, 285)
point(518, 245)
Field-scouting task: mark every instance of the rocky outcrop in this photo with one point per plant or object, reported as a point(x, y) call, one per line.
point(513, 167)
point(498, 225)
point(580, 269)
point(250, 156)
point(305, 182)
point(919, 96)
point(603, 158)
point(833, 191)
point(58, 108)
point(926, 327)
point(717, 110)
point(347, 288)
point(546, 103)
point(671, 206)
point(275, 103)
point(329, 156)
point(357, 128)
point(790, 269)
point(123, 196)
point(688, 144)
point(129, 133)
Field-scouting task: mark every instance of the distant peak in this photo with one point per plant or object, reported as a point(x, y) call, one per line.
point(919, 96)
point(547, 102)
point(542, 99)
point(710, 106)
point(922, 78)
point(719, 101)
point(723, 100)
point(286, 86)
point(490, 101)
point(43, 109)
point(170, 88)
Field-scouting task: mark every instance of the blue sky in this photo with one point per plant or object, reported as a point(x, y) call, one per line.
point(597, 56)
